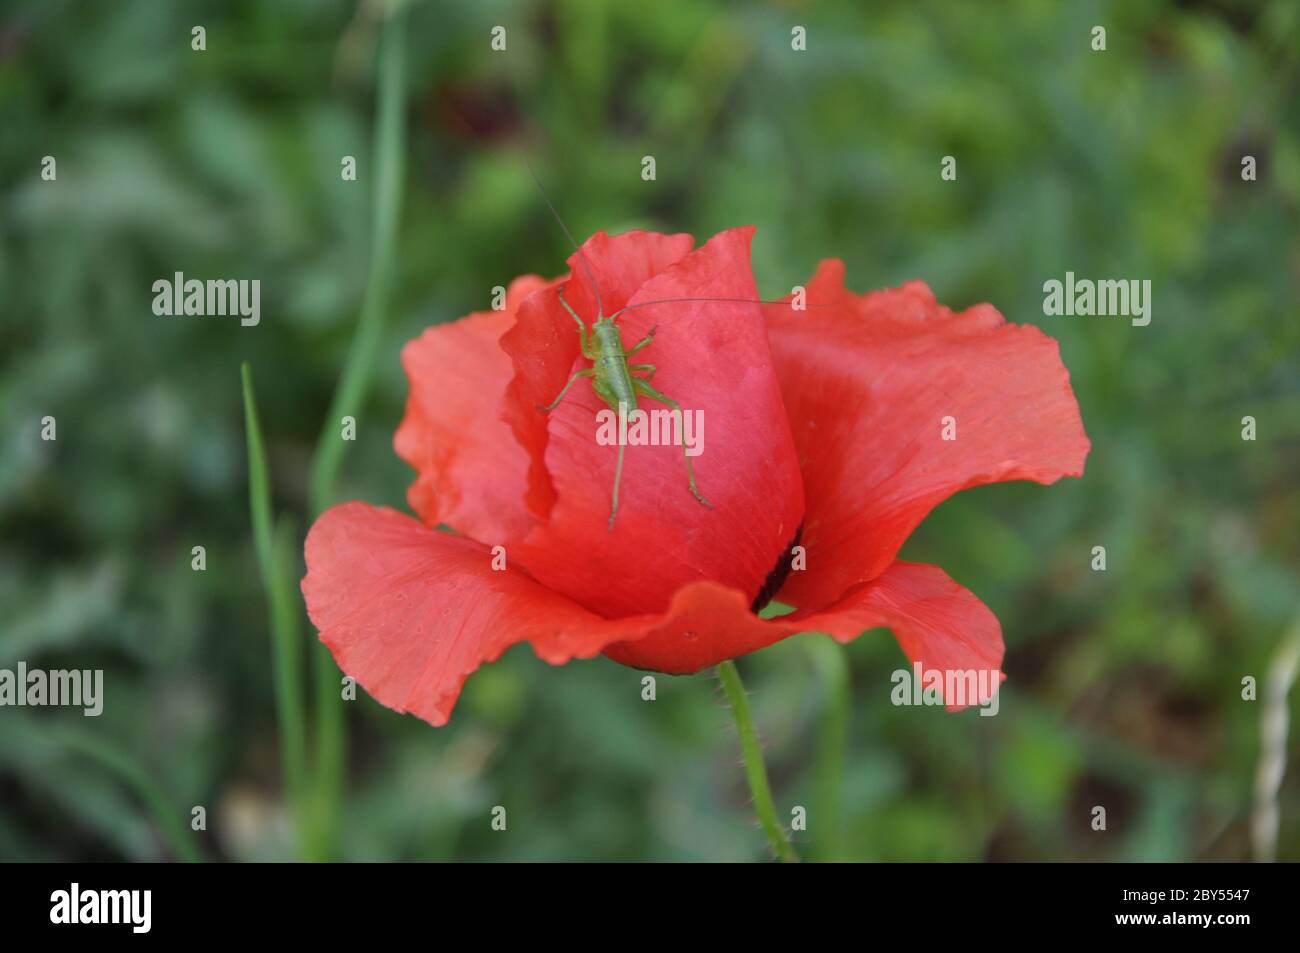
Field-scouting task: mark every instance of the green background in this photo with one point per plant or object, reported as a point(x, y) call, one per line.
point(1124, 687)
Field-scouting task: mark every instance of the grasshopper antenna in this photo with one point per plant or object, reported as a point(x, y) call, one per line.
point(586, 267)
point(646, 304)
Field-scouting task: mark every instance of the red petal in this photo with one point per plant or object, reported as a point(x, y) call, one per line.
point(410, 612)
point(936, 621)
point(543, 343)
point(713, 358)
point(470, 471)
point(867, 385)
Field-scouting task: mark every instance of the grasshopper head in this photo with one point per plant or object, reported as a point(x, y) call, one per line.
point(606, 333)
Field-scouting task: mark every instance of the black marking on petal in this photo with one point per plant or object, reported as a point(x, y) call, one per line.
point(778, 575)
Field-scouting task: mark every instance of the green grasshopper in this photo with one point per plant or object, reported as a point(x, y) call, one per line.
point(612, 377)
point(613, 381)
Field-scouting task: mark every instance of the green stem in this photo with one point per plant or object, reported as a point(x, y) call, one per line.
point(755, 770)
point(349, 397)
point(832, 742)
point(289, 681)
point(331, 743)
point(274, 546)
point(389, 153)
point(135, 777)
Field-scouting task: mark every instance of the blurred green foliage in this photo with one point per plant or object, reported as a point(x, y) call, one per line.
point(1124, 687)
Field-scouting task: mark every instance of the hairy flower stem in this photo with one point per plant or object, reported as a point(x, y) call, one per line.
point(755, 770)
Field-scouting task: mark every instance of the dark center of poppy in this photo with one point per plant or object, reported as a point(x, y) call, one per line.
point(778, 574)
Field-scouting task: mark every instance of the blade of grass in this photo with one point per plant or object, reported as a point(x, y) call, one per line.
point(274, 554)
point(350, 394)
point(1274, 723)
point(390, 135)
point(130, 772)
point(832, 742)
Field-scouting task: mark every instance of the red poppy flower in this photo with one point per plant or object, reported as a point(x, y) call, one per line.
point(824, 426)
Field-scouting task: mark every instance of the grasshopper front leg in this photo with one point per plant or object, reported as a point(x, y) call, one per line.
point(578, 375)
point(583, 341)
point(645, 341)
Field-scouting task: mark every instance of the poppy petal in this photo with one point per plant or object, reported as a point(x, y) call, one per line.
point(543, 343)
point(937, 622)
point(410, 612)
point(470, 471)
point(713, 358)
point(869, 382)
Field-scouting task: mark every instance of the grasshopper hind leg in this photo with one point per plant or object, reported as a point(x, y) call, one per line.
point(644, 388)
point(607, 395)
point(618, 476)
